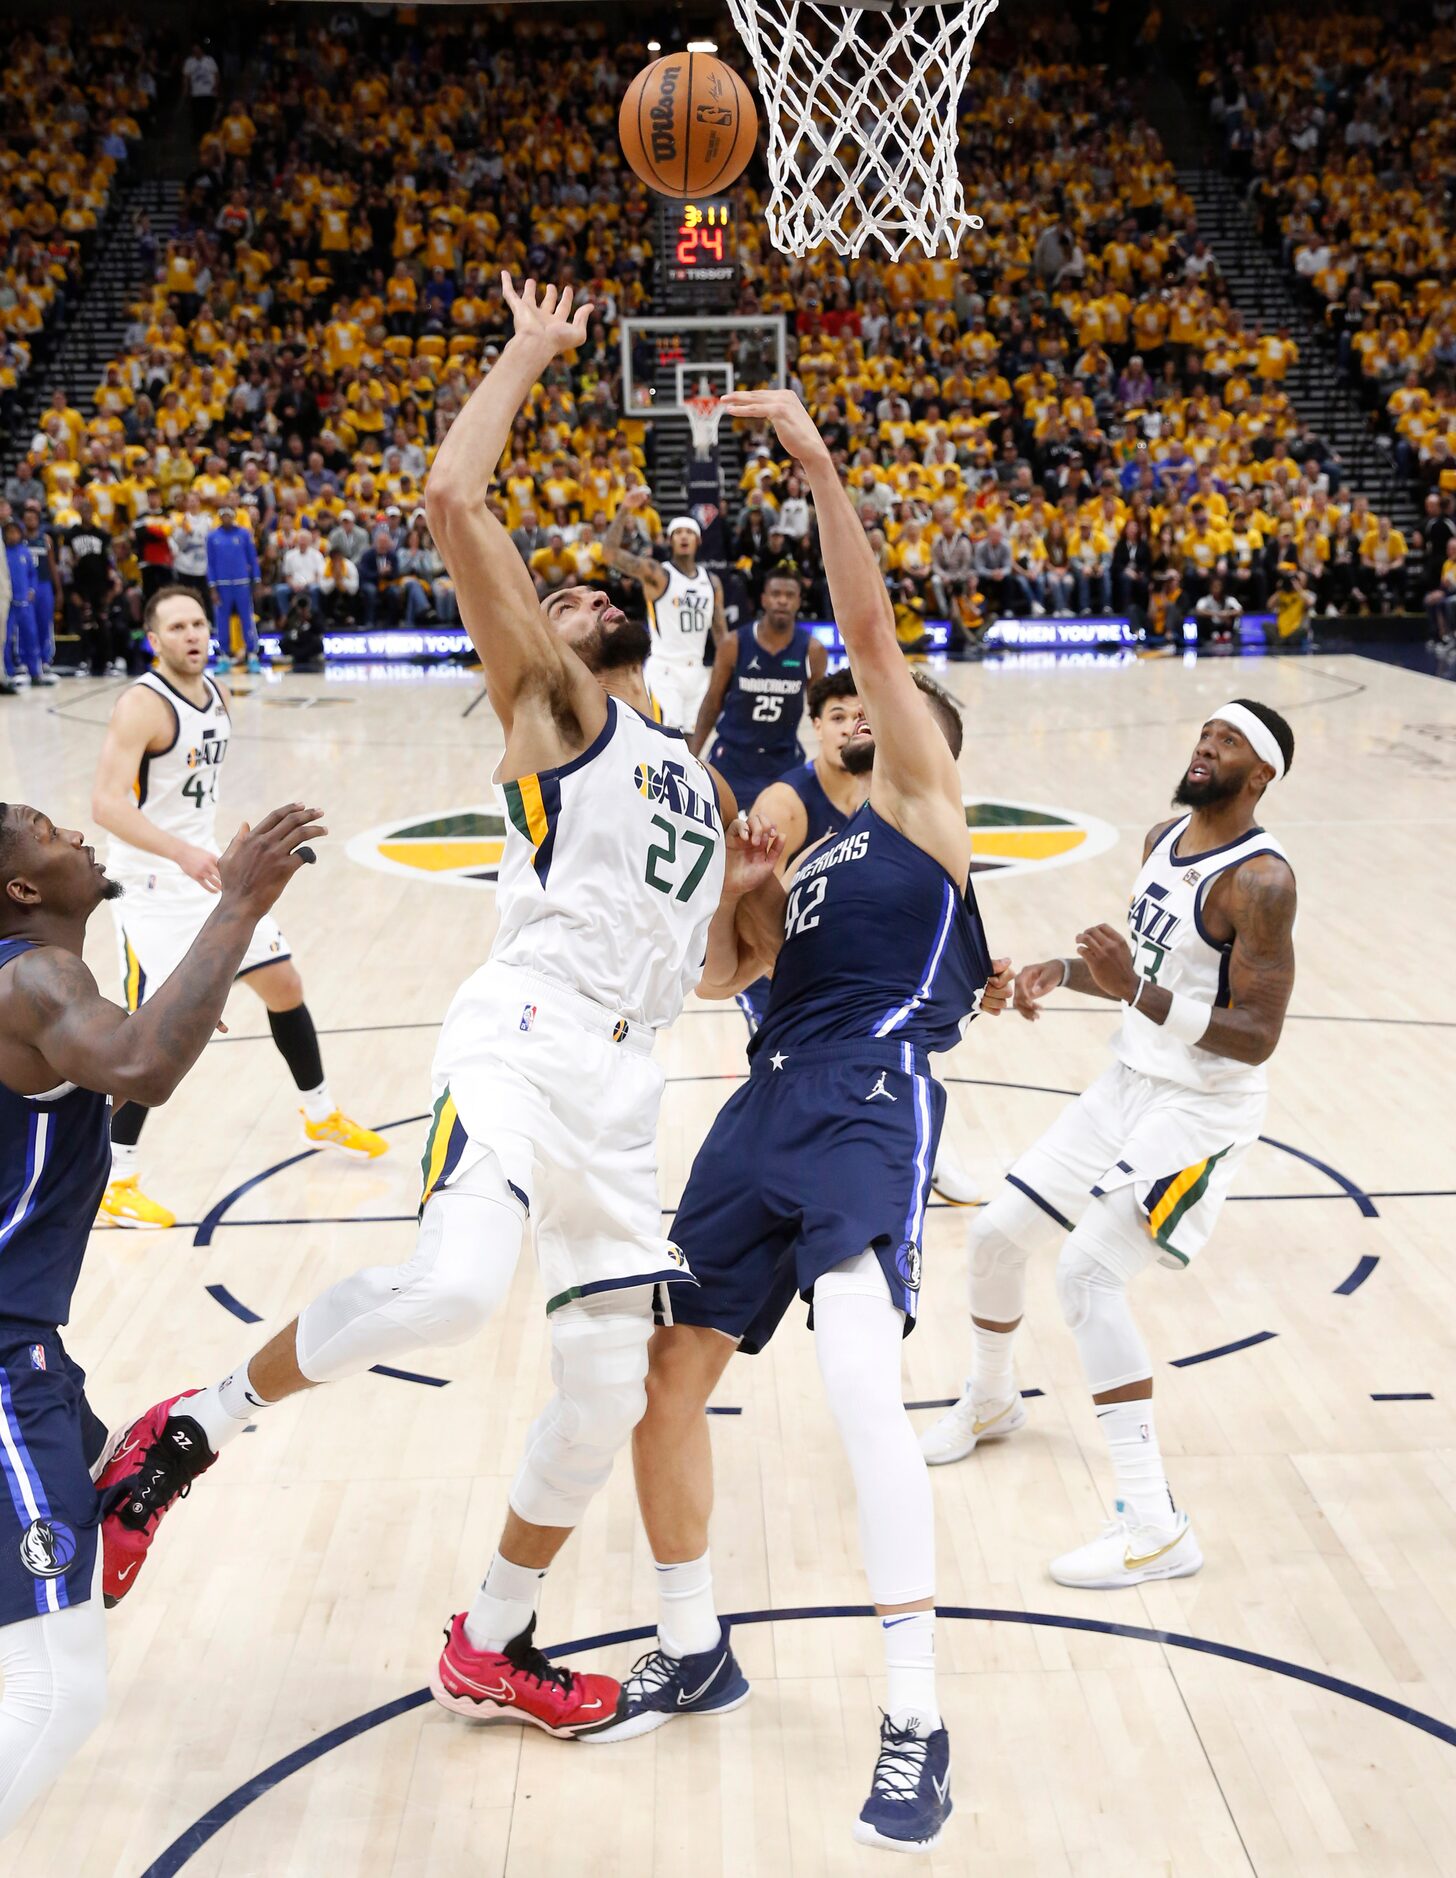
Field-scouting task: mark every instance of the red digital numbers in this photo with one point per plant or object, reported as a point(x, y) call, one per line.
point(700, 237)
point(687, 245)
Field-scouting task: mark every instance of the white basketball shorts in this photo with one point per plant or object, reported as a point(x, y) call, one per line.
point(679, 688)
point(565, 1094)
point(1177, 1148)
point(157, 919)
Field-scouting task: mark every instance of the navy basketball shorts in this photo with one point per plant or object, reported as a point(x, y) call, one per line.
point(49, 1510)
point(810, 1163)
point(746, 774)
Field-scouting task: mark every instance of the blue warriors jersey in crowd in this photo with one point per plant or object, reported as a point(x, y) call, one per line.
point(821, 818)
point(55, 1157)
point(758, 728)
point(879, 942)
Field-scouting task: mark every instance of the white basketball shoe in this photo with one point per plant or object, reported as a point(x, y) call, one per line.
point(951, 1180)
point(1124, 1554)
point(962, 1429)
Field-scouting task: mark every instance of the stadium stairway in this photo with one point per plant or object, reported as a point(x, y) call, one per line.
point(96, 332)
point(1263, 292)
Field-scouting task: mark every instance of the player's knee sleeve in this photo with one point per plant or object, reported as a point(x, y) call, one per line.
point(55, 1694)
point(1092, 1292)
point(1000, 1239)
point(465, 1257)
point(599, 1366)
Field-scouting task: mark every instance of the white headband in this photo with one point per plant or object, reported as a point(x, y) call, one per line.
point(1261, 738)
point(684, 521)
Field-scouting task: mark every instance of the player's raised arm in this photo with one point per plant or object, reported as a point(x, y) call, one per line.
point(647, 572)
point(912, 760)
point(725, 658)
point(52, 1006)
point(497, 599)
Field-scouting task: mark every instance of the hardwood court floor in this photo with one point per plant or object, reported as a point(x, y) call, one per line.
point(1288, 1711)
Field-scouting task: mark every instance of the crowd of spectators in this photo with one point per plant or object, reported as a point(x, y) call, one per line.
point(1072, 416)
point(1344, 126)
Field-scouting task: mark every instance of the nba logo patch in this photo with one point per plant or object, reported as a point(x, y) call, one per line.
point(528, 1016)
point(37, 1356)
point(1191, 878)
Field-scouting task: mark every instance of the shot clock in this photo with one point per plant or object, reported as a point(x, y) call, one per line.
point(698, 252)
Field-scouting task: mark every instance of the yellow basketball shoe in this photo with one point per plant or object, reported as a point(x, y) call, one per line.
point(336, 1131)
point(124, 1204)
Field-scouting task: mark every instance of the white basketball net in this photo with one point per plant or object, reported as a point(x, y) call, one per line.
point(861, 98)
point(705, 413)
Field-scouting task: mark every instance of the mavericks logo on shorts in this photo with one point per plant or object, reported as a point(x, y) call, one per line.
point(464, 845)
point(907, 1264)
point(47, 1547)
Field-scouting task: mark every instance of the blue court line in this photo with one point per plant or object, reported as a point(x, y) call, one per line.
point(192, 1840)
point(229, 1303)
point(950, 1401)
point(213, 1217)
point(1361, 1199)
point(409, 1375)
point(1414, 1395)
point(1224, 1349)
point(713, 1410)
point(1363, 1268)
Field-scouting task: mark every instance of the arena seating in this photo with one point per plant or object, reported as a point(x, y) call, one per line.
point(1074, 417)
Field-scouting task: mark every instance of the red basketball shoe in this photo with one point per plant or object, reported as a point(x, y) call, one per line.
point(518, 1684)
point(155, 1464)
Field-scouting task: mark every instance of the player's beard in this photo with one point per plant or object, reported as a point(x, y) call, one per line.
point(858, 756)
point(113, 890)
point(1205, 795)
point(611, 648)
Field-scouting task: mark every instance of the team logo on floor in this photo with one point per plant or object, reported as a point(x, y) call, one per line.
point(464, 845)
point(47, 1547)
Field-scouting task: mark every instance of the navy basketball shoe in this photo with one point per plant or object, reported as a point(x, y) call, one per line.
point(662, 1687)
point(909, 1799)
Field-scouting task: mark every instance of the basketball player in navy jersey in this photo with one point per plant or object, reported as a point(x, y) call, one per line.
point(879, 958)
point(817, 799)
point(756, 693)
point(65, 1052)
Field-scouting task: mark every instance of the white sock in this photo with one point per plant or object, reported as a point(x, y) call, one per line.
point(1137, 1463)
point(909, 1641)
point(504, 1604)
point(992, 1381)
point(687, 1616)
point(318, 1104)
point(124, 1159)
point(224, 1409)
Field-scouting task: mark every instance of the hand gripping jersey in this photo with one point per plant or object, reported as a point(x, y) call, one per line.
point(612, 870)
point(1172, 948)
point(821, 818)
point(176, 789)
point(879, 943)
point(682, 618)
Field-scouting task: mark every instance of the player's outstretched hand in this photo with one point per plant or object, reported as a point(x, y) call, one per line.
point(793, 426)
point(753, 851)
point(1035, 982)
point(260, 862)
point(1108, 959)
point(999, 986)
point(549, 318)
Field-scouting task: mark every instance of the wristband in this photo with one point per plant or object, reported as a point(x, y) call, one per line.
point(1066, 974)
point(1187, 1019)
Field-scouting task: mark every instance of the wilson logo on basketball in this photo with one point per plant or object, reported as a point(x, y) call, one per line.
point(464, 846)
point(664, 138)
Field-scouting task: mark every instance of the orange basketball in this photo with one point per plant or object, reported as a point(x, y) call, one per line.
point(688, 124)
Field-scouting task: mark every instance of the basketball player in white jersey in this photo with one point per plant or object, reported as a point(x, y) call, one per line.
point(617, 892)
point(1137, 1169)
point(156, 795)
point(684, 606)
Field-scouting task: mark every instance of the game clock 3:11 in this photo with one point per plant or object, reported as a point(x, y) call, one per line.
point(698, 247)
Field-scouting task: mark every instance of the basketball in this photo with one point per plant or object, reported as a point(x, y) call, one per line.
point(688, 124)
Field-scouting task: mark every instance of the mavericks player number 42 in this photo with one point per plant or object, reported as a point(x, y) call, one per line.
point(1136, 1171)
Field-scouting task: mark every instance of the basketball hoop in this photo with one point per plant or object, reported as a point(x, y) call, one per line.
point(705, 413)
point(863, 99)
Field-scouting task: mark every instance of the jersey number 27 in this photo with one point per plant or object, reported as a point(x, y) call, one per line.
point(663, 853)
